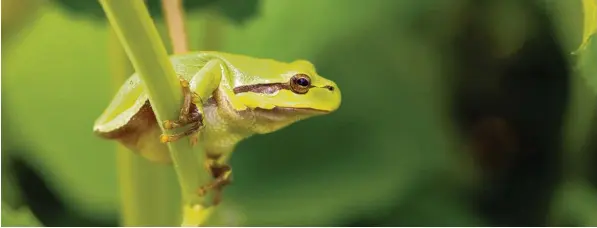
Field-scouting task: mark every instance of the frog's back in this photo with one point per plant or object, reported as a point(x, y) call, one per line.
point(130, 119)
point(242, 69)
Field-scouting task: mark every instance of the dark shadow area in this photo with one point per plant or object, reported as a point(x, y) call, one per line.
point(44, 203)
point(511, 109)
point(592, 151)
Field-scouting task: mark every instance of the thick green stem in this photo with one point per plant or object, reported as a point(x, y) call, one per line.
point(148, 192)
point(144, 47)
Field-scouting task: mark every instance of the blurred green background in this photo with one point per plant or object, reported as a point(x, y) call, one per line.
point(454, 113)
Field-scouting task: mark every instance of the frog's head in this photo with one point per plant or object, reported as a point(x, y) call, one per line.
point(280, 94)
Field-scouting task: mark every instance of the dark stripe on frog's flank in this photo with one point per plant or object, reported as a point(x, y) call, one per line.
point(266, 88)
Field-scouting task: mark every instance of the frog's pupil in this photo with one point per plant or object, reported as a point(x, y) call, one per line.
point(303, 82)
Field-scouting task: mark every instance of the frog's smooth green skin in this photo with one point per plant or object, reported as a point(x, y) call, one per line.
point(241, 96)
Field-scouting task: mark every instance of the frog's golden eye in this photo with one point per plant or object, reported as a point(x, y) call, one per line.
point(300, 83)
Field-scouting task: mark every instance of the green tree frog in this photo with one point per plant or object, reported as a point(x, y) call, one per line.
point(227, 98)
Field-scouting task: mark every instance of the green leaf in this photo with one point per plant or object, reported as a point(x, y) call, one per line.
point(587, 62)
point(61, 67)
point(590, 21)
point(587, 52)
point(575, 203)
point(18, 217)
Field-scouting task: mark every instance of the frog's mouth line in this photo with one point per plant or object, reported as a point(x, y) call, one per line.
point(300, 110)
point(286, 113)
point(293, 110)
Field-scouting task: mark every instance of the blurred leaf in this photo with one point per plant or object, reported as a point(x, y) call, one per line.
point(63, 71)
point(508, 25)
point(588, 61)
point(18, 217)
point(575, 203)
point(587, 51)
point(572, 24)
point(590, 21)
point(568, 23)
point(237, 10)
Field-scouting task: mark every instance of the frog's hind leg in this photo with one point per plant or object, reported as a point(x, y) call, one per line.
point(189, 116)
point(222, 174)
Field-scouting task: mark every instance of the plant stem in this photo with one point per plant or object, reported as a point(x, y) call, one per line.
point(144, 186)
point(149, 196)
point(193, 215)
point(143, 45)
point(176, 27)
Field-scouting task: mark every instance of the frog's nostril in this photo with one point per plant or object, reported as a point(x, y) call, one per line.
point(330, 88)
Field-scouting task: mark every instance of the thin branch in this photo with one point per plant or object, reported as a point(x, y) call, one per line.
point(175, 19)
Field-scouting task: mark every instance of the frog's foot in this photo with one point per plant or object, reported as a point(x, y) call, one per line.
point(189, 117)
point(223, 176)
point(192, 132)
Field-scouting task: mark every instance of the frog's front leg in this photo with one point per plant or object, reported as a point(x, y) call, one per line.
point(186, 115)
point(190, 115)
point(201, 86)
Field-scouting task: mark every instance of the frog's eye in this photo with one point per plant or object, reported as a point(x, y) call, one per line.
point(300, 83)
